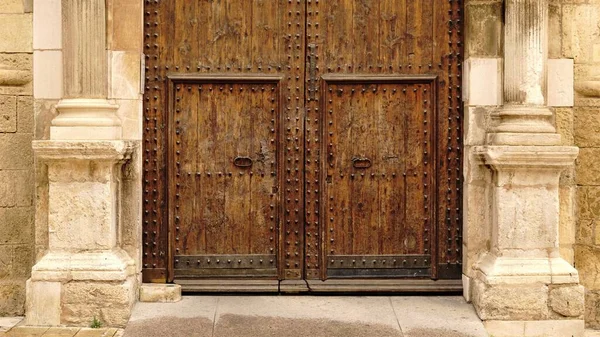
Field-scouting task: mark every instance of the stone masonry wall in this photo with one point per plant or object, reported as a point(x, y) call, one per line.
point(16, 157)
point(578, 23)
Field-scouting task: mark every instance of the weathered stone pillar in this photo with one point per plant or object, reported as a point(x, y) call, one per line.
point(84, 274)
point(525, 119)
point(522, 284)
point(84, 112)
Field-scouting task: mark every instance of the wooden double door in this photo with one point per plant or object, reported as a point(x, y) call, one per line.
point(303, 144)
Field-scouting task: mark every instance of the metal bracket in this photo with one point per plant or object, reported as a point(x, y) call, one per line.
point(312, 71)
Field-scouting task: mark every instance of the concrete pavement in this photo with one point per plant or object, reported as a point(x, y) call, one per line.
point(313, 316)
point(286, 316)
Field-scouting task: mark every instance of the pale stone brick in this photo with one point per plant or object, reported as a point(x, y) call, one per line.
point(126, 31)
point(12, 294)
point(47, 24)
point(588, 170)
point(130, 113)
point(17, 33)
point(578, 37)
point(12, 6)
point(8, 114)
point(560, 82)
point(15, 74)
point(559, 328)
point(564, 124)
point(76, 208)
point(586, 126)
point(566, 224)
point(554, 30)
point(510, 301)
point(16, 225)
point(587, 262)
point(19, 61)
point(585, 231)
point(25, 122)
point(484, 26)
point(48, 72)
point(505, 328)
point(592, 309)
point(44, 111)
point(96, 292)
point(22, 260)
point(476, 125)
point(150, 292)
point(588, 202)
point(109, 302)
point(567, 301)
point(125, 75)
point(15, 151)
point(483, 81)
point(16, 188)
point(6, 254)
point(43, 303)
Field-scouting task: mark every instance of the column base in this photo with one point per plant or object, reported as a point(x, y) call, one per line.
point(86, 119)
point(76, 288)
point(516, 270)
point(523, 289)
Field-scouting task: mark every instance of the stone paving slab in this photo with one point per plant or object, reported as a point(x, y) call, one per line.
point(314, 316)
point(443, 316)
point(6, 323)
point(25, 331)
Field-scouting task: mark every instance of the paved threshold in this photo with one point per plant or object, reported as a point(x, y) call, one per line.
point(312, 316)
point(285, 316)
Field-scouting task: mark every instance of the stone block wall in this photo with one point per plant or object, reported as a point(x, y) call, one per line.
point(577, 23)
point(16, 157)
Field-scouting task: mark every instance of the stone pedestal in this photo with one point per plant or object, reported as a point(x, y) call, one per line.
point(521, 286)
point(84, 274)
point(523, 277)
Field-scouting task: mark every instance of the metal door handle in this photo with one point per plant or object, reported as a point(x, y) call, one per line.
point(242, 161)
point(361, 163)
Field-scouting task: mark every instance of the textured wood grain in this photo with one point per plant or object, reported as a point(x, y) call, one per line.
point(407, 202)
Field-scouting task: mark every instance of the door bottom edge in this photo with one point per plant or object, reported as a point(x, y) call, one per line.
point(228, 286)
point(318, 286)
point(385, 286)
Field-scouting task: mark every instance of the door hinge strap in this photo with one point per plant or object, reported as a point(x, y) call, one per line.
point(312, 71)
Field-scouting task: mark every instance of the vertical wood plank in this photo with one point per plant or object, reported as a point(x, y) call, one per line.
point(365, 42)
point(392, 44)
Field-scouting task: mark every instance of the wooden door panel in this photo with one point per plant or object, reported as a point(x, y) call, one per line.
point(378, 132)
point(227, 43)
point(399, 216)
point(223, 173)
point(355, 45)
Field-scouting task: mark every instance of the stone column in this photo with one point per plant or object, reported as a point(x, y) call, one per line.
point(523, 278)
point(84, 112)
point(84, 274)
point(524, 118)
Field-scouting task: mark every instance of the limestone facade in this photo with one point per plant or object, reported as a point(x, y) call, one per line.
point(532, 105)
point(16, 157)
